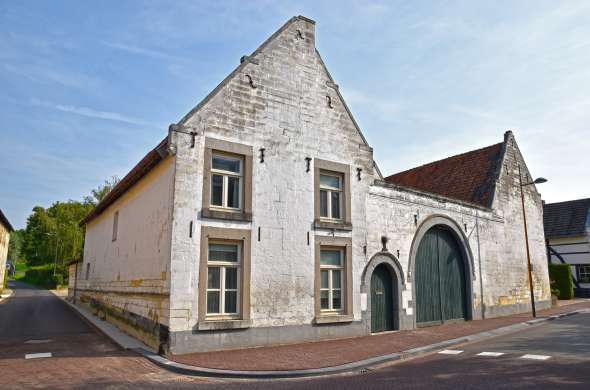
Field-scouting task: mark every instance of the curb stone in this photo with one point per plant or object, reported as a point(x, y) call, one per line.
point(186, 369)
point(6, 294)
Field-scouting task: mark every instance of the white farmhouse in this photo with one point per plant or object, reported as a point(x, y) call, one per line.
point(567, 230)
point(262, 218)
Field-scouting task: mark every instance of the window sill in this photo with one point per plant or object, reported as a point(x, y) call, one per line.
point(333, 319)
point(223, 324)
point(226, 215)
point(319, 224)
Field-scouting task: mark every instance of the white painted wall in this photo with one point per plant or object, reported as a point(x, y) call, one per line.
point(288, 115)
point(4, 240)
point(574, 250)
point(133, 270)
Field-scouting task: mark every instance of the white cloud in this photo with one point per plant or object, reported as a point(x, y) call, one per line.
point(140, 51)
point(92, 113)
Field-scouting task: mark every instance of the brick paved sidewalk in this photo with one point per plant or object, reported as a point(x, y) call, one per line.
point(336, 352)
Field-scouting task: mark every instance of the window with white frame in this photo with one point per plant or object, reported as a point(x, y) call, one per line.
point(584, 273)
point(331, 194)
point(223, 273)
point(226, 181)
point(331, 273)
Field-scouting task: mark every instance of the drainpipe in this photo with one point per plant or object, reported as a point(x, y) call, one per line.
point(482, 304)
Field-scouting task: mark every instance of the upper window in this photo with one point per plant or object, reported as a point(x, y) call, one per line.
point(331, 271)
point(331, 195)
point(223, 285)
point(115, 225)
point(226, 181)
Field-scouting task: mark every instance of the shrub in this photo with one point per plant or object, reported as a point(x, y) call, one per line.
point(41, 275)
point(561, 275)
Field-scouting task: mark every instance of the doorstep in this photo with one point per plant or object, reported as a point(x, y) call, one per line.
point(340, 355)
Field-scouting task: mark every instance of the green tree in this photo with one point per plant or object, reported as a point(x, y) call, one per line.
point(36, 238)
point(54, 236)
point(98, 194)
point(15, 245)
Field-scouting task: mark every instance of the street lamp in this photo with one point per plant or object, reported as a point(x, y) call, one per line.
point(539, 180)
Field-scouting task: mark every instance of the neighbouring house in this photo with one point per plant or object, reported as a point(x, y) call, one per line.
point(262, 218)
point(5, 230)
point(567, 230)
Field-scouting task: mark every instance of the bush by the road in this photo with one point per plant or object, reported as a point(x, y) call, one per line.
point(561, 276)
point(42, 276)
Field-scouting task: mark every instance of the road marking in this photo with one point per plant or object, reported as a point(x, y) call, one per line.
point(38, 341)
point(492, 354)
point(535, 357)
point(38, 355)
point(450, 352)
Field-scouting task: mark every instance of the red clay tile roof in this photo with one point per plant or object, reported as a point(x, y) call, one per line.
point(469, 177)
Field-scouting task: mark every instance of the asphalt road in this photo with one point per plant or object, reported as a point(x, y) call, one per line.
point(32, 313)
point(36, 321)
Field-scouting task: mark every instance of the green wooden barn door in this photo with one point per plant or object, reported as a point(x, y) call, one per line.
point(440, 279)
point(382, 300)
point(452, 277)
point(427, 283)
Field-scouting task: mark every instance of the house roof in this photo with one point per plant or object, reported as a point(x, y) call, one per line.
point(468, 177)
point(142, 168)
point(4, 221)
point(565, 219)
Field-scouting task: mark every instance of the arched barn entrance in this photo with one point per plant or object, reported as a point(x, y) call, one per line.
point(383, 300)
point(440, 278)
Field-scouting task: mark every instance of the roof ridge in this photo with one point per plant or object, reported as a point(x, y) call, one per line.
point(240, 66)
point(447, 158)
point(568, 201)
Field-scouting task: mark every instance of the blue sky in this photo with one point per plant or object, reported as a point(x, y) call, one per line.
point(87, 88)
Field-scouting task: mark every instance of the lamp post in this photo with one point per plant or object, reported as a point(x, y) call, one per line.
point(539, 180)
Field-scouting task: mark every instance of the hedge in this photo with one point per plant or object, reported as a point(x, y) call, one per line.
point(42, 275)
point(561, 278)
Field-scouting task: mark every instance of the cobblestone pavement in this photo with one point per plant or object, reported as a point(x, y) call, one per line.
point(34, 321)
point(336, 352)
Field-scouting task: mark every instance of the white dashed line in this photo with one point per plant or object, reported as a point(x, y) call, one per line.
point(492, 354)
point(535, 357)
point(38, 355)
point(450, 352)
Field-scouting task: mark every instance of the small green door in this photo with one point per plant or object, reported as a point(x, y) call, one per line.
point(382, 300)
point(440, 279)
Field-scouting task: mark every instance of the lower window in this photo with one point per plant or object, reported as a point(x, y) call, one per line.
point(331, 271)
point(223, 279)
point(584, 273)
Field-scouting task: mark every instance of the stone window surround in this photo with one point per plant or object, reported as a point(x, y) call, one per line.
point(244, 151)
point(216, 234)
point(344, 170)
point(346, 314)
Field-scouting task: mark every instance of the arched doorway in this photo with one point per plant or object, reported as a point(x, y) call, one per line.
point(383, 300)
point(440, 278)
